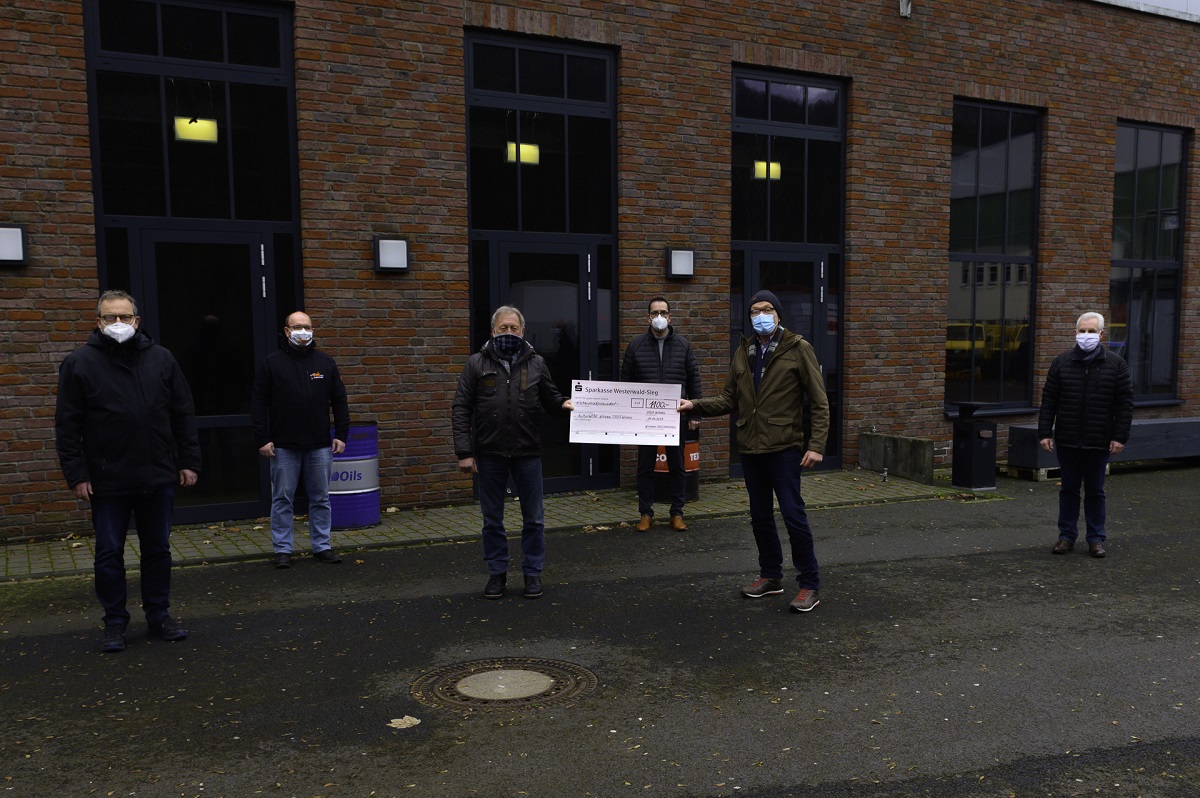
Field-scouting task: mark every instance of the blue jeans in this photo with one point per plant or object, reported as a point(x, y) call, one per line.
point(286, 467)
point(493, 477)
point(778, 473)
point(1081, 467)
point(647, 457)
point(110, 520)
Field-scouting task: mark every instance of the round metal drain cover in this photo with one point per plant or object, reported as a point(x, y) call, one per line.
point(502, 683)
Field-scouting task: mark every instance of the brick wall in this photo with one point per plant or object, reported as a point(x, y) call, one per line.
point(380, 93)
point(45, 183)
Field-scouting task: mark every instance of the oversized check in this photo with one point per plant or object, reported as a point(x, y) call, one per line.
point(625, 412)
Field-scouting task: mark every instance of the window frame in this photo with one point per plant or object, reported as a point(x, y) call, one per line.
point(1143, 395)
point(992, 269)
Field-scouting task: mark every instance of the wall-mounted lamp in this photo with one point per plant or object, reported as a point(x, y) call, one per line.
point(906, 8)
point(193, 128)
point(391, 254)
point(529, 154)
point(14, 245)
point(767, 170)
point(681, 263)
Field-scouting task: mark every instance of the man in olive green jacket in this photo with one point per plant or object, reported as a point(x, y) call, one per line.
point(768, 379)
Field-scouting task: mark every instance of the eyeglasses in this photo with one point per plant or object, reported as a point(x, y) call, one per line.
point(756, 313)
point(112, 318)
point(299, 327)
point(663, 313)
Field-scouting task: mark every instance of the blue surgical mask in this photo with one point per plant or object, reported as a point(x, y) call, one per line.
point(764, 324)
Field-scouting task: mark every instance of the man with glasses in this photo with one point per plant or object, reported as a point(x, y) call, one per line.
point(294, 391)
point(662, 356)
point(125, 430)
point(770, 375)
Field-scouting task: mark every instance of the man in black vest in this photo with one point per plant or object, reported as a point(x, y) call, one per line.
point(662, 356)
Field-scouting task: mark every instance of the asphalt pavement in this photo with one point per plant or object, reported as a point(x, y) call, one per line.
point(952, 655)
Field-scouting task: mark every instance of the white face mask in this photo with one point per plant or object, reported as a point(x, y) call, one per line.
point(119, 331)
point(301, 337)
point(659, 323)
point(1087, 341)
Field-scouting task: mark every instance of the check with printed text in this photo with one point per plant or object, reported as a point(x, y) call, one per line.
point(633, 413)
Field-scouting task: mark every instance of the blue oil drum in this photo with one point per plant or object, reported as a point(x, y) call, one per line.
point(354, 480)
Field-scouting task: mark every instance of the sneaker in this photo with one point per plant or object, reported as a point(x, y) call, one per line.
point(533, 586)
point(495, 586)
point(762, 587)
point(282, 561)
point(806, 600)
point(327, 556)
point(167, 628)
point(114, 638)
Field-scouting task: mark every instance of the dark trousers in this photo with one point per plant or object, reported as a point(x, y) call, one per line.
point(647, 456)
point(778, 474)
point(1081, 468)
point(493, 479)
point(110, 520)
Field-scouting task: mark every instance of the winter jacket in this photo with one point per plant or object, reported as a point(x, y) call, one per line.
point(676, 366)
point(293, 393)
point(771, 418)
point(498, 411)
point(1086, 403)
point(124, 418)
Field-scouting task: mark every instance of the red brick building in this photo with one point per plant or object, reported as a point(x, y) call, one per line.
point(936, 189)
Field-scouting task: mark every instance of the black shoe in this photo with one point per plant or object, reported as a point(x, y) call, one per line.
point(1062, 547)
point(283, 561)
point(167, 628)
point(533, 587)
point(114, 638)
point(495, 586)
point(327, 556)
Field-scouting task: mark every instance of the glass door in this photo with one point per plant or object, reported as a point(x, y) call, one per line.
point(556, 287)
point(207, 304)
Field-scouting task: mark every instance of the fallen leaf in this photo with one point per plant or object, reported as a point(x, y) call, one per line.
point(406, 722)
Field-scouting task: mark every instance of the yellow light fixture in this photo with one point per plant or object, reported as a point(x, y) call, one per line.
point(767, 170)
point(528, 153)
point(191, 128)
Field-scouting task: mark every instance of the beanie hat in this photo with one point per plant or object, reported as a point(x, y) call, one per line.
point(766, 296)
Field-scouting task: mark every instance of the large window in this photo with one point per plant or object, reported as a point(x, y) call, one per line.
point(541, 137)
point(787, 159)
point(1143, 324)
point(193, 110)
point(993, 213)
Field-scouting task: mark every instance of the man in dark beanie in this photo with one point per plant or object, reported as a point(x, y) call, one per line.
point(768, 379)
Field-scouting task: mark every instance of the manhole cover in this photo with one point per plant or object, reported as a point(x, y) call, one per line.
point(502, 683)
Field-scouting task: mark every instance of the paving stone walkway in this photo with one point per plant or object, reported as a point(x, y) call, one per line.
point(245, 540)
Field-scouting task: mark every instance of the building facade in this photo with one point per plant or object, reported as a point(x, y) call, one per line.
point(935, 189)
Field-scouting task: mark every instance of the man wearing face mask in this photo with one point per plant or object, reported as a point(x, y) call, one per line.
point(294, 391)
point(125, 430)
point(1086, 412)
point(770, 375)
point(660, 355)
point(496, 418)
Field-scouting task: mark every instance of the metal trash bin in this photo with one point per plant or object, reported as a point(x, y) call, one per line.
point(974, 456)
point(691, 470)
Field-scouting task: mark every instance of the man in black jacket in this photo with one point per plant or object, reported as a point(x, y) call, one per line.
point(1087, 409)
point(125, 430)
point(662, 356)
point(496, 418)
point(294, 391)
